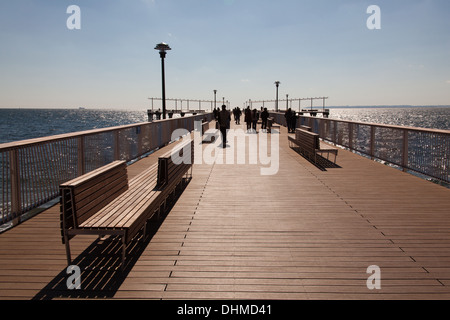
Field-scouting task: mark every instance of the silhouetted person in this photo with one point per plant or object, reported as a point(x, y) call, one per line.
point(248, 118)
point(255, 116)
point(293, 121)
point(238, 115)
point(216, 113)
point(224, 123)
point(288, 116)
point(264, 117)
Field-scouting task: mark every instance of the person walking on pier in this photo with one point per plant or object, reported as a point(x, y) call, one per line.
point(264, 118)
point(237, 115)
point(248, 118)
point(288, 116)
point(255, 118)
point(224, 119)
point(293, 121)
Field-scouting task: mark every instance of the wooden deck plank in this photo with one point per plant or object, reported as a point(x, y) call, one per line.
point(303, 233)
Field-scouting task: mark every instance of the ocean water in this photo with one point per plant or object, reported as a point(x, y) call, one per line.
point(21, 124)
point(423, 117)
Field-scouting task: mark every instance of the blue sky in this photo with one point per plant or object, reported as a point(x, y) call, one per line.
point(238, 47)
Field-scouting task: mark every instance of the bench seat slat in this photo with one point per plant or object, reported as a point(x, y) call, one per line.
point(125, 204)
point(150, 171)
point(128, 219)
point(136, 191)
point(142, 210)
point(133, 222)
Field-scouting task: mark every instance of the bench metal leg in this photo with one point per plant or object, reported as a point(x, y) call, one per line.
point(145, 231)
point(124, 249)
point(68, 255)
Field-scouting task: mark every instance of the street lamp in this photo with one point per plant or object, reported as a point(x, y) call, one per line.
point(277, 83)
point(162, 48)
point(215, 93)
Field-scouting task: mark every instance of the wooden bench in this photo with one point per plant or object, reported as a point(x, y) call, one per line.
point(310, 145)
point(103, 202)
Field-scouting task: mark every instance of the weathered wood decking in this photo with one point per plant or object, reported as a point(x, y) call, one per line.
point(234, 234)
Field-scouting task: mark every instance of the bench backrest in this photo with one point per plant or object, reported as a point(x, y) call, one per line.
point(308, 139)
point(168, 170)
point(84, 196)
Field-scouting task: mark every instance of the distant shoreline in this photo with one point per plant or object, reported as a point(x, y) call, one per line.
point(305, 107)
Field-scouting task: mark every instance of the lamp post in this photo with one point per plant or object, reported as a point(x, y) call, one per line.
point(162, 48)
point(215, 104)
point(277, 83)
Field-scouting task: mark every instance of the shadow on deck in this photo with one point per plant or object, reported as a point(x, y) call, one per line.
point(321, 163)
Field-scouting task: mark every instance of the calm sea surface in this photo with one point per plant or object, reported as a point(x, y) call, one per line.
point(21, 124)
point(423, 117)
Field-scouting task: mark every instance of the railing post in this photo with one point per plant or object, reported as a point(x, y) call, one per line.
point(322, 128)
point(81, 157)
point(116, 145)
point(372, 142)
point(350, 136)
point(335, 132)
point(16, 207)
point(139, 140)
point(405, 150)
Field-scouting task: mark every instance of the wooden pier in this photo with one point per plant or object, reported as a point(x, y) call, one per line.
point(304, 233)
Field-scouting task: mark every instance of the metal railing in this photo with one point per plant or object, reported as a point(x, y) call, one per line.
point(32, 170)
point(425, 151)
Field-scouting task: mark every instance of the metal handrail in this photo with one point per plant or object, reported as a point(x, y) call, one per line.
point(420, 150)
